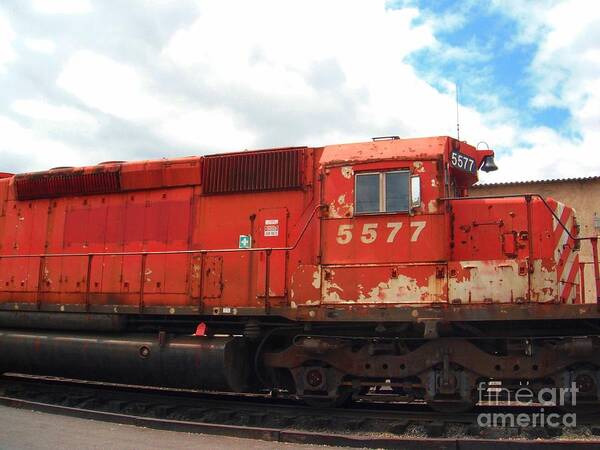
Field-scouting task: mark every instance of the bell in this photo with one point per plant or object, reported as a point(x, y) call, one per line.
point(488, 164)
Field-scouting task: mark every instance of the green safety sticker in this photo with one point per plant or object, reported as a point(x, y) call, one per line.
point(245, 241)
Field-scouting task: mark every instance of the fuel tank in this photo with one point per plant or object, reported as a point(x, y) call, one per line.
point(194, 362)
point(38, 320)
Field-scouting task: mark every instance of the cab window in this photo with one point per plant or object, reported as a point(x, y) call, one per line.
point(382, 192)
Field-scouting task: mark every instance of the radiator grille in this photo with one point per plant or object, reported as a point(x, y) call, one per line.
point(257, 171)
point(59, 184)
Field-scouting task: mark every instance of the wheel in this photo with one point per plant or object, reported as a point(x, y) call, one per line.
point(587, 397)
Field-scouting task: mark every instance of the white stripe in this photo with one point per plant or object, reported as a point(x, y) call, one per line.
point(563, 239)
point(566, 272)
point(559, 210)
point(561, 245)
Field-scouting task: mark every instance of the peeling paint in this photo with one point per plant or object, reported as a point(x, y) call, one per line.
point(305, 285)
point(432, 206)
point(196, 271)
point(347, 172)
point(338, 213)
point(334, 297)
point(543, 282)
point(339, 208)
point(47, 275)
point(317, 278)
point(400, 289)
point(418, 165)
point(328, 286)
point(495, 281)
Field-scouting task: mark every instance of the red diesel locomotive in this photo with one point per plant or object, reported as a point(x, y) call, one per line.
point(324, 272)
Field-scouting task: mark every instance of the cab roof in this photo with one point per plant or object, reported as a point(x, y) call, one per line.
point(388, 149)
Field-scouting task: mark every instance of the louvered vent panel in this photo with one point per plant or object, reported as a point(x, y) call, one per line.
point(50, 185)
point(262, 171)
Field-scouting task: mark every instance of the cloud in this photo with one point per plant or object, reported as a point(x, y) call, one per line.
point(566, 68)
point(45, 46)
point(109, 86)
point(62, 6)
point(119, 90)
point(7, 36)
point(564, 73)
point(270, 83)
point(44, 112)
point(207, 127)
point(305, 78)
point(158, 79)
point(24, 146)
point(225, 82)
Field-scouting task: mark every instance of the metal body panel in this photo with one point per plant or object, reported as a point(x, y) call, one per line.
point(390, 284)
point(161, 243)
point(272, 233)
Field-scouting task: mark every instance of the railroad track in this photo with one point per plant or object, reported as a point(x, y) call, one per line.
point(282, 419)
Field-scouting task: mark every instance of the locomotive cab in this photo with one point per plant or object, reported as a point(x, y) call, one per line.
point(400, 228)
point(385, 234)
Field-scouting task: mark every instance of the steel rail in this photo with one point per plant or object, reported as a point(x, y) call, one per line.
point(374, 409)
point(285, 435)
point(74, 394)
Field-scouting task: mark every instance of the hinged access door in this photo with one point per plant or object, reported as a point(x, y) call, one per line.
point(272, 233)
point(207, 276)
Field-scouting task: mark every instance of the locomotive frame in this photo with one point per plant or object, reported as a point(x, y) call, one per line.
point(429, 300)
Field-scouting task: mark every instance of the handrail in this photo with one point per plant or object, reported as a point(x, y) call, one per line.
point(487, 197)
point(593, 239)
point(175, 252)
point(144, 254)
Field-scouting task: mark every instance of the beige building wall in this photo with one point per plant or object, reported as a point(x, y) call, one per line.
point(582, 194)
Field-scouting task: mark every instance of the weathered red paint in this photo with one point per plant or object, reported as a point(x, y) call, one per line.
point(157, 238)
point(596, 269)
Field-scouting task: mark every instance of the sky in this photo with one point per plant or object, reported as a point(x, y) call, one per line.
point(85, 81)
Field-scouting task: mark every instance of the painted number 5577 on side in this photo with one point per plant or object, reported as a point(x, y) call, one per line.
point(370, 232)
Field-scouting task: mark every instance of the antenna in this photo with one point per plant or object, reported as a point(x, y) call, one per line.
point(457, 121)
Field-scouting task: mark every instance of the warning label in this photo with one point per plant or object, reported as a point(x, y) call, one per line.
point(271, 227)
